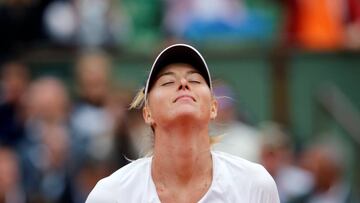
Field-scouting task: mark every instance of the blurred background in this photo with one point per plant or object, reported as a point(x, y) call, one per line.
point(286, 74)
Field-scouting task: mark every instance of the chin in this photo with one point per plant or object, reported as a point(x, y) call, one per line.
point(187, 115)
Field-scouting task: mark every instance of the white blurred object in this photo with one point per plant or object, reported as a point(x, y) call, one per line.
point(96, 125)
point(240, 140)
point(60, 20)
point(142, 139)
point(93, 21)
point(217, 9)
point(293, 182)
point(180, 14)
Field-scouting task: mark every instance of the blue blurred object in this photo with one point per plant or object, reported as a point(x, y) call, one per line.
point(253, 26)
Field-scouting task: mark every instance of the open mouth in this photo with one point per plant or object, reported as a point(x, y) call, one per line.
point(184, 97)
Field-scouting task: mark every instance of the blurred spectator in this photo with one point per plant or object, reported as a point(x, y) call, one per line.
point(99, 123)
point(238, 138)
point(327, 163)
point(14, 81)
point(93, 167)
point(48, 101)
point(278, 159)
point(47, 150)
point(216, 19)
point(11, 190)
point(92, 123)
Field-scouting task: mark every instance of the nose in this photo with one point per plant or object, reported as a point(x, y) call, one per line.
point(183, 84)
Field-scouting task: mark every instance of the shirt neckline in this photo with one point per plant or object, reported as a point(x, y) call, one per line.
point(154, 197)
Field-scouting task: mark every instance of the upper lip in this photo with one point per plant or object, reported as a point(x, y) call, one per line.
point(184, 95)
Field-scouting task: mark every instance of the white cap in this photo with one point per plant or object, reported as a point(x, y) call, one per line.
point(178, 53)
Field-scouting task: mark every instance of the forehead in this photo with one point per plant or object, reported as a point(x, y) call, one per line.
point(178, 67)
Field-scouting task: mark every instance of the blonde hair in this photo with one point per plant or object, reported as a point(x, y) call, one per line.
point(139, 101)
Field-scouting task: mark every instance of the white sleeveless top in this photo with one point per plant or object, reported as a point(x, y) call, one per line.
point(234, 180)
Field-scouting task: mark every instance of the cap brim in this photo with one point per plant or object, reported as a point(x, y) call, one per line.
point(178, 53)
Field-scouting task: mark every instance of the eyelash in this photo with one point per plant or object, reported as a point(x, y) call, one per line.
point(194, 81)
point(190, 81)
point(167, 83)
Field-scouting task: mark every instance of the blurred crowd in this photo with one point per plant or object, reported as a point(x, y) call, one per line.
point(56, 142)
point(139, 24)
point(315, 173)
point(55, 146)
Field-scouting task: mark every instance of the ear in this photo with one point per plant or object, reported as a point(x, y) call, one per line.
point(213, 109)
point(147, 116)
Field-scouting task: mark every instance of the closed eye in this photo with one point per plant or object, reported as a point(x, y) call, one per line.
point(167, 83)
point(194, 81)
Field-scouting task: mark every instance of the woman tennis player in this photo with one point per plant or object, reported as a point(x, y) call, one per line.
point(178, 104)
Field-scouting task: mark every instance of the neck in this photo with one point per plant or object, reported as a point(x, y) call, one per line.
point(181, 155)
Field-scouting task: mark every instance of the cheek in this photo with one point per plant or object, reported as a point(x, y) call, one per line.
point(206, 109)
point(156, 98)
point(206, 101)
point(158, 101)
